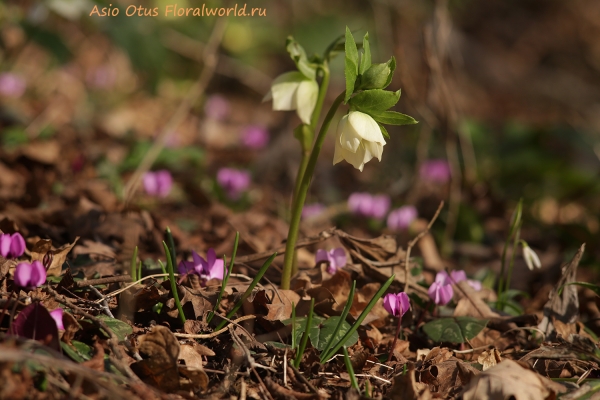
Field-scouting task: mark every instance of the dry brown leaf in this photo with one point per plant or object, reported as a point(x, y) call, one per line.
point(161, 349)
point(510, 379)
point(489, 358)
point(192, 358)
point(406, 387)
point(59, 256)
point(563, 307)
point(280, 305)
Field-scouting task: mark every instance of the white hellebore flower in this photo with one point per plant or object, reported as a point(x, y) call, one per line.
point(531, 259)
point(294, 91)
point(358, 140)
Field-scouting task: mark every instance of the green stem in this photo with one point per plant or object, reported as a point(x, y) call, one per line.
point(348, 363)
point(171, 244)
point(314, 120)
point(226, 275)
point(301, 195)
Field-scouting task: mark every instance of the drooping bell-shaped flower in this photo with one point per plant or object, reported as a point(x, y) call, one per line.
point(336, 258)
point(531, 258)
point(57, 316)
point(233, 181)
point(294, 91)
point(396, 304)
point(358, 140)
point(460, 275)
point(29, 276)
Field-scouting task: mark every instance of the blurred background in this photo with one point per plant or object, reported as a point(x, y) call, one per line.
point(507, 94)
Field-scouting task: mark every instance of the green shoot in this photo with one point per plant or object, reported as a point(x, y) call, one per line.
point(139, 273)
point(162, 267)
point(368, 389)
point(304, 340)
point(133, 265)
point(171, 243)
point(173, 283)
point(360, 318)
point(341, 321)
point(514, 225)
point(294, 344)
point(248, 291)
point(226, 275)
point(348, 363)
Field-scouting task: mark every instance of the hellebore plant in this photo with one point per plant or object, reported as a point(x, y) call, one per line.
point(12, 246)
point(531, 259)
point(335, 258)
point(360, 135)
point(397, 305)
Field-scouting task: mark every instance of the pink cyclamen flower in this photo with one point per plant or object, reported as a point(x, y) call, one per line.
point(216, 107)
point(255, 137)
point(211, 268)
point(102, 77)
point(158, 183)
point(312, 210)
point(29, 276)
point(12, 85)
point(401, 218)
point(335, 257)
point(460, 275)
point(233, 181)
point(57, 316)
point(367, 205)
point(440, 291)
point(396, 304)
point(12, 246)
point(435, 171)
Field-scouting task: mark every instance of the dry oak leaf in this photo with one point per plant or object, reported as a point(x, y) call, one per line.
point(159, 369)
point(59, 255)
point(510, 380)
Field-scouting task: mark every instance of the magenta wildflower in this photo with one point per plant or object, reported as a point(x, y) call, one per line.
point(336, 258)
point(57, 316)
point(216, 107)
point(440, 291)
point(396, 304)
point(12, 246)
point(435, 171)
point(158, 183)
point(233, 181)
point(367, 205)
point(460, 275)
point(12, 85)
point(401, 218)
point(211, 268)
point(312, 210)
point(255, 137)
point(102, 77)
point(29, 276)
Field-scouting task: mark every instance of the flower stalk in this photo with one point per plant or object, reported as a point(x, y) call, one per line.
point(300, 196)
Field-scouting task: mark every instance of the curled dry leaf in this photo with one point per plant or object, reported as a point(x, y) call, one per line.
point(159, 368)
point(489, 359)
point(59, 256)
point(510, 379)
point(406, 387)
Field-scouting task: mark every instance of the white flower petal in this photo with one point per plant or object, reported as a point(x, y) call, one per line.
point(366, 127)
point(356, 159)
point(306, 99)
point(283, 91)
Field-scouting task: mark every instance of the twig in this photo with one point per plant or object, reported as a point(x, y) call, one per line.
point(210, 57)
point(304, 380)
point(116, 292)
point(103, 281)
point(104, 305)
point(414, 241)
point(214, 334)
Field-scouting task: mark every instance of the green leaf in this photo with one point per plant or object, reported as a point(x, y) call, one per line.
point(376, 77)
point(591, 286)
point(351, 64)
point(120, 329)
point(393, 118)
point(319, 338)
point(374, 100)
point(384, 131)
point(298, 54)
point(336, 47)
point(392, 65)
point(365, 59)
point(454, 330)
